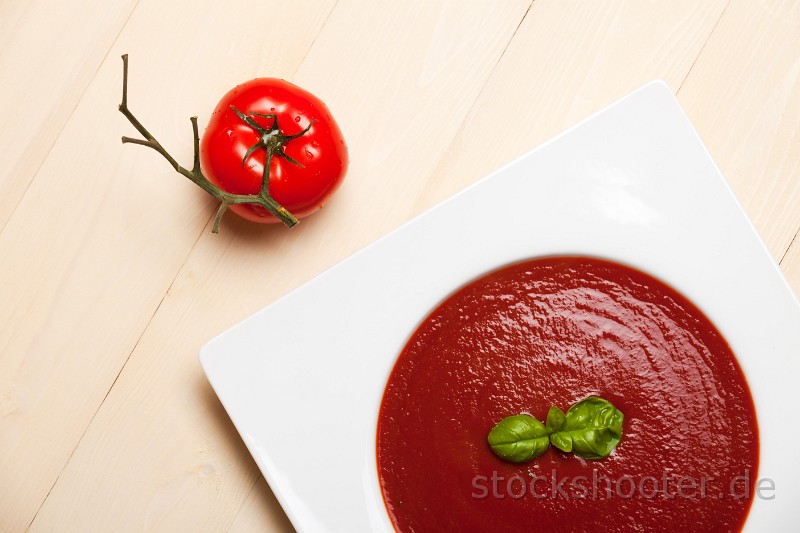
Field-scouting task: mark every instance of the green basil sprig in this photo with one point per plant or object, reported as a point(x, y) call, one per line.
point(519, 438)
point(590, 429)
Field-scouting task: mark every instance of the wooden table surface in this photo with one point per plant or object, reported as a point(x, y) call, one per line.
point(110, 277)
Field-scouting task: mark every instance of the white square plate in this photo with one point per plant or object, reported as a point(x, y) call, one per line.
point(633, 184)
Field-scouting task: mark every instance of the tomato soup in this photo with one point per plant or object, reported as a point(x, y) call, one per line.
point(553, 331)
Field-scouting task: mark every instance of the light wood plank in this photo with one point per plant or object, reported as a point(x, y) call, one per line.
point(103, 229)
point(400, 77)
point(743, 96)
point(568, 60)
point(49, 52)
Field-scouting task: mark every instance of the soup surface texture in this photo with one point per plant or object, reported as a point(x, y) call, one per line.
point(553, 331)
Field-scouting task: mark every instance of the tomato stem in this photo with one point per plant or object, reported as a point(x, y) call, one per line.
point(196, 175)
point(221, 211)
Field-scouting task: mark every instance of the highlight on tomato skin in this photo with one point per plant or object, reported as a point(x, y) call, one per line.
point(303, 174)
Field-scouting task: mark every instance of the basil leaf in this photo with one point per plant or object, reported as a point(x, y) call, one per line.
point(555, 420)
point(518, 438)
point(562, 441)
point(592, 429)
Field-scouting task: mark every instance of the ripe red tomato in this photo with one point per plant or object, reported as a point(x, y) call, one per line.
point(305, 170)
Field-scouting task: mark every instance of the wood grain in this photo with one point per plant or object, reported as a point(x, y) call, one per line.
point(568, 60)
point(743, 95)
point(110, 280)
point(791, 266)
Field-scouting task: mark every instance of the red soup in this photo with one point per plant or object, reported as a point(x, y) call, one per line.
point(552, 332)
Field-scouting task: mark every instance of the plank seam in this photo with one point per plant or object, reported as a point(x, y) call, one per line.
point(38, 168)
point(64, 124)
point(702, 48)
point(244, 501)
point(122, 369)
point(786, 252)
point(313, 41)
point(477, 98)
point(491, 72)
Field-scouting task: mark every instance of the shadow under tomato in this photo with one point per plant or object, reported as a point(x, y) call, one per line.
point(252, 233)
